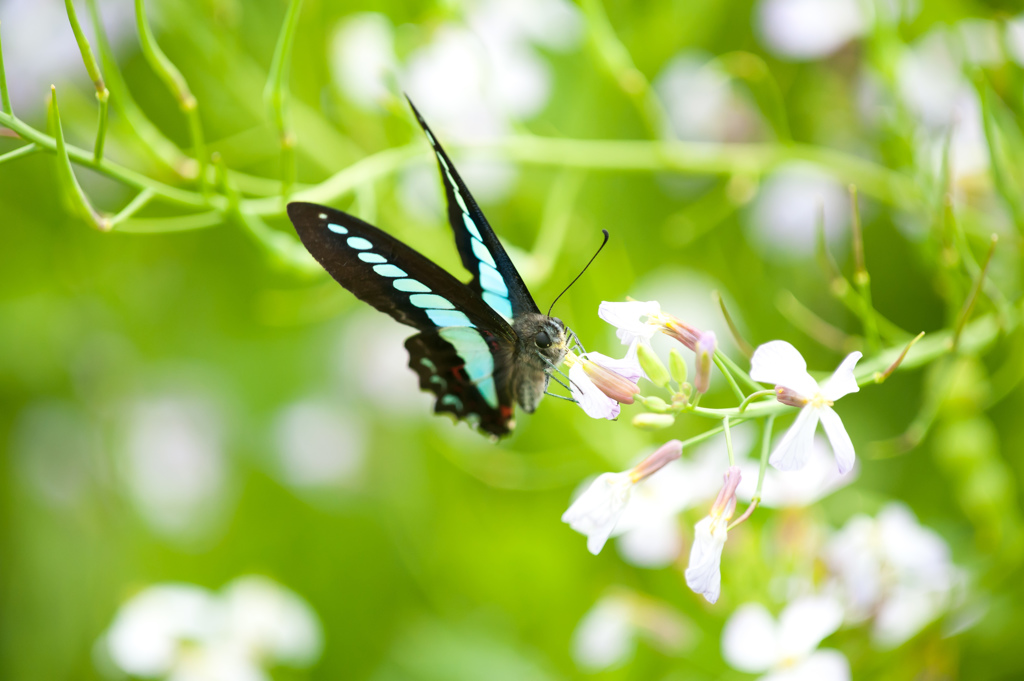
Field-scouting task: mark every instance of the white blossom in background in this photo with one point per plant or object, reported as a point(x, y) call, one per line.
point(182, 632)
point(779, 363)
point(174, 464)
point(598, 509)
point(473, 80)
point(704, 573)
point(606, 637)
point(754, 642)
point(933, 86)
point(893, 571)
point(981, 41)
point(319, 445)
point(800, 488)
point(783, 219)
point(1015, 39)
point(362, 58)
point(809, 29)
point(703, 103)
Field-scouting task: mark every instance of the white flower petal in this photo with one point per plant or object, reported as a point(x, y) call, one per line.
point(704, 574)
point(779, 363)
point(627, 318)
point(906, 611)
point(840, 439)
point(596, 511)
point(605, 637)
point(822, 665)
point(628, 367)
point(594, 403)
point(796, 446)
point(842, 381)
point(750, 640)
point(805, 622)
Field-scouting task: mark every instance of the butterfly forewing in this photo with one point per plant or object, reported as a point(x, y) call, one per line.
point(495, 278)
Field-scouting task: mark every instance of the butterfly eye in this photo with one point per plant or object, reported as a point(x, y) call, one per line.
point(542, 339)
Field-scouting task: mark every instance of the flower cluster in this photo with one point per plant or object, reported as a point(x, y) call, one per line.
point(186, 633)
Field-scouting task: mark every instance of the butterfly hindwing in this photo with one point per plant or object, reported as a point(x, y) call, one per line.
point(495, 278)
point(466, 368)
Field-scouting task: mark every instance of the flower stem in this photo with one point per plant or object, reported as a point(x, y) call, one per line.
point(26, 150)
point(275, 96)
point(728, 377)
point(741, 342)
point(728, 441)
point(76, 198)
point(753, 396)
point(861, 278)
point(965, 313)
point(5, 96)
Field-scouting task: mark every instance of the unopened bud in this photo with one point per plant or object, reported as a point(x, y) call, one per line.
point(668, 452)
point(617, 387)
point(725, 503)
point(652, 366)
point(655, 404)
point(790, 396)
point(705, 353)
point(681, 331)
point(653, 421)
point(677, 365)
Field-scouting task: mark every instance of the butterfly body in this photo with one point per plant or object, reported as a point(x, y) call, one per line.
point(482, 347)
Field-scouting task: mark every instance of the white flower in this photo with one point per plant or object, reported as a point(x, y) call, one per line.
point(704, 574)
point(780, 363)
point(809, 29)
point(893, 570)
point(754, 642)
point(635, 321)
point(362, 58)
point(796, 489)
point(599, 383)
point(182, 632)
point(606, 636)
point(319, 445)
point(596, 512)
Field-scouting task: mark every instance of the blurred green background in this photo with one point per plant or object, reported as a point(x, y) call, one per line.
point(187, 407)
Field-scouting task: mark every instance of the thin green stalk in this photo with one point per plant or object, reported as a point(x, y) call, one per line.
point(965, 313)
point(77, 201)
point(804, 319)
point(766, 445)
point(620, 65)
point(728, 441)
point(743, 375)
point(861, 278)
point(133, 207)
point(729, 378)
point(93, 69)
point(180, 223)
point(275, 95)
point(741, 342)
point(26, 150)
point(107, 167)
point(754, 396)
point(5, 97)
point(176, 83)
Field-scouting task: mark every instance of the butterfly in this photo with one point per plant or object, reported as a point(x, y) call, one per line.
point(482, 347)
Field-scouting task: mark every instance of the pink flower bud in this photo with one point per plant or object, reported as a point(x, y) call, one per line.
point(681, 331)
point(617, 387)
point(665, 454)
point(725, 503)
point(705, 350)
point(790, 396)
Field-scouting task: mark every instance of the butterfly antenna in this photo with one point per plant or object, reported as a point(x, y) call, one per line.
point(605, 232)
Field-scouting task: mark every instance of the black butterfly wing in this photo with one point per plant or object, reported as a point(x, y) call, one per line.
point(440, 360)
point(466, 344)
point(495, 278)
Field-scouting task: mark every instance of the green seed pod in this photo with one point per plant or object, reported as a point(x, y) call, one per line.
point(656, 404)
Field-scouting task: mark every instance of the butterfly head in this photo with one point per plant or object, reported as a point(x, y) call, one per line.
point(544, 336)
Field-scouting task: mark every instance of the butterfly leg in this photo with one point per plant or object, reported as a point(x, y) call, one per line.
point(561, 397)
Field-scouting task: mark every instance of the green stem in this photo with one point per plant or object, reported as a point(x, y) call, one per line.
point(101, 127)
point(862, 279)
point(133, 207)
point(76, 198)
point(728, 377)
point(26, 150)
point(275, 95)
point(5, 97)
point(176, 83)
point(180, 223)
point(728, 441)
point(753, 396)
point(743, 375)
point(766, 443)
point(105, 166)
